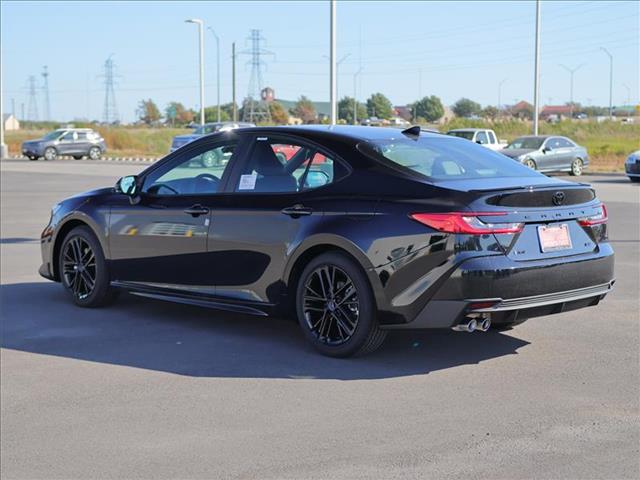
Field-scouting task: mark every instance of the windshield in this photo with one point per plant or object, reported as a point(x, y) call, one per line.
point(447, 159)
point(53, 135)
point(207, 129)
point(532, 143)
point(467, 135)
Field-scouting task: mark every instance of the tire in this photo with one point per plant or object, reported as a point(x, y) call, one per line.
point(75, 275)
point(576, 167)
point(95, 153)
point(77, 157)
point(530, 163)
point(33, 159)
point(343, 325)
point(50, 153)
point(634, 179)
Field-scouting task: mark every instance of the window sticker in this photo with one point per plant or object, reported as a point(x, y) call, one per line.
point(248, 182)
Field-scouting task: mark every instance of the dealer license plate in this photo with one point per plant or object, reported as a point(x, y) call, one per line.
point(554, 237)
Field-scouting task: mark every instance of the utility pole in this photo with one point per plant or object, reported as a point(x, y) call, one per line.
point(536, 78)
point(45, 91)
point(500, 92)
point(110, 112)
point(233, 82)
point(200, 24)
point(22, 117)
point(4, 152)
point(571, 72)
point(13, 107)
point(610, 81)
point(355, 96)
point(332, 62)
point(217, 68)
point(33, 101)
point(628, 99)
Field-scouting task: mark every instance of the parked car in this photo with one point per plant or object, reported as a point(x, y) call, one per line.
point(549, 154)
point(75, 142)
point(485, 137)
point(206, 129)
point(632, 166)
point(394, 230)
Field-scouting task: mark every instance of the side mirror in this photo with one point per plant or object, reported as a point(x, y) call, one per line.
point(128, 186)
point(479, 142)
point(546, 149)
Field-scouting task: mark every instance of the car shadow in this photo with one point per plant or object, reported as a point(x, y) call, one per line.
point(184, 340)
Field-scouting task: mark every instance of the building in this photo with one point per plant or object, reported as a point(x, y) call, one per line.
point(522, 110)
point(10, 122)
point(555, 112)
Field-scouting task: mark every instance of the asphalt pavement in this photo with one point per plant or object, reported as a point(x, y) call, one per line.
point(146, 389)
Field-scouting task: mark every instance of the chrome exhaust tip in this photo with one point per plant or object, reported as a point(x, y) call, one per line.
point(469, 326)
point(484, 324)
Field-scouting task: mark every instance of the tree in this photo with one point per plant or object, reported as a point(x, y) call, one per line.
point(305, 110)
point(211, 114)
point(429, 108)
point(491, 112)
point(148, 112)
point(177, 114)
point(465, 108)
point(379, 106)
point(278, 113)
point(345, 110)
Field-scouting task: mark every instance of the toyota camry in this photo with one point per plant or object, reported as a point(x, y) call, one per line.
point(355, 232)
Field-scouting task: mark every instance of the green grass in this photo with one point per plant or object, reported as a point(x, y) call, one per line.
point(608, 143)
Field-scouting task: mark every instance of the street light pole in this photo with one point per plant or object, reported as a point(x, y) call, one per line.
point(233, 81)
point(217, 68)
point(332, 63)
point(571, 72)
point(610, 81)
point(200, 24)
point(536, 78)
point(355, 96)
point(500, 92)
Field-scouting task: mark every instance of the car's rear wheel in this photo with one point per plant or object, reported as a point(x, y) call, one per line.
point(335, 307)
point(83, 270)
point(50, 153)
point(576, 167)
point(530, 163)
point(95, 153)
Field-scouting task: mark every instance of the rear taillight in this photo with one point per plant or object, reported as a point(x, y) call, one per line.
point(466, 222)
point(597, 219)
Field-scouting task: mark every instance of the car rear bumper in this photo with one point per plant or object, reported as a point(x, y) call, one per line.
point(507, 289)
point(632, 169)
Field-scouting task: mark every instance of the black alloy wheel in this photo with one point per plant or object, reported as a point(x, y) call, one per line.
point(336, 308)
point(83, 270)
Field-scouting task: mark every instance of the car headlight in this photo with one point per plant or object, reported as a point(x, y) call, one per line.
point(631, 159)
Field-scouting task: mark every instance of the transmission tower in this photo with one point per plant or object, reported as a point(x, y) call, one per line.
point(256, 109)
point(110, 112)
point(45, 91)
point(32, 110)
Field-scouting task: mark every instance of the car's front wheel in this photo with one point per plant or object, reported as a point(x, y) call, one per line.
point(83, 270)
point(530, 163)
point(576, 167)
point(335, 307)
point(50, 153)
point(95, 153)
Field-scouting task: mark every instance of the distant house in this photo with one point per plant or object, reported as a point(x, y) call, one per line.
point(10, 122)
point(404, 112)
point(556, 112)
point(522, 110)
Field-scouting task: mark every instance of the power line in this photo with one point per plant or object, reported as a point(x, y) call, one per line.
point(110, 111)
point(255, 108)
point(45, 92)
point(32, 109)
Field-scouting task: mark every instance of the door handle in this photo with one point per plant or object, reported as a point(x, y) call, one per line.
point(296, 211)
point(196, 210)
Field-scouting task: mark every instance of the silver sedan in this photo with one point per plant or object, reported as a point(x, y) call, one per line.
point(549, 154)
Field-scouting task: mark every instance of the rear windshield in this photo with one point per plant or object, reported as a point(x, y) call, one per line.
point(442, 158)
point(467, 135)
point(526, 142)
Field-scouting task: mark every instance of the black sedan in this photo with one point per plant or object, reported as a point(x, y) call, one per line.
point(355, 231)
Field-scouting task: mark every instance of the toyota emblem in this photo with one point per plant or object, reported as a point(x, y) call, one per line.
point(558, 198)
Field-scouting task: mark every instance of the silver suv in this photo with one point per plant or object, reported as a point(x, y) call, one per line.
point(75, 142)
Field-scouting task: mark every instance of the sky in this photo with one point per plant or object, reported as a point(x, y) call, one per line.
point(406, 50)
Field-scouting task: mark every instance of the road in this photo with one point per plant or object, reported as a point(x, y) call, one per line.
point(146, 389)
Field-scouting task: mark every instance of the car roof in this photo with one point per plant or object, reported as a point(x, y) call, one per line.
point(350, 132)
point(539, 136)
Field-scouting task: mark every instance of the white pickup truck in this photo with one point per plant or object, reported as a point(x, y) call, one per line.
point(485, 137)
